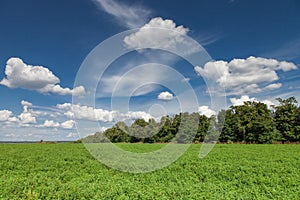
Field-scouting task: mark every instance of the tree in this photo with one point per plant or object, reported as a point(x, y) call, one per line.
point(117, 133)
point(287, 119)
point(144, 131)
point(227, 125)
point(250, 123)
point(202, 128)
point(164, 130)
point(297, 127)
point(188, 127)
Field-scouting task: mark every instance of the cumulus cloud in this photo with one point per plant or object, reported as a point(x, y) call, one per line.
point(205, 110)
point(131, 115)
point(269, 103)
point(26, 117)
point(29, 77)
point(89, 113)
point(5, 115)
point(97, 114)
point(33, 123)
point(69, 124)
point(241, 76)
point(26, 103)
point(245, 98)
point(73, 135)
point(64, 106)
point(131, 16)
point(273, 86)
point(168, 36)
point(50, 124)
point(13, 119)
point(242, 100)
point(166, 96)
point(57, 89)
point(86, 112)
point(38, 78)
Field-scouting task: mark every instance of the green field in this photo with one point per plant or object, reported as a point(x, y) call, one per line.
point(68, 171)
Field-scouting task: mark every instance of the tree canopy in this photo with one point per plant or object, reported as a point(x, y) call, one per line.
point(252, 122)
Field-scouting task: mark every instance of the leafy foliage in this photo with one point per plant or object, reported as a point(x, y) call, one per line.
point(252, 122)
point(287, 119)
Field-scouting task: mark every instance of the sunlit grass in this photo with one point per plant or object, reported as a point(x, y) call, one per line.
point(68, 171)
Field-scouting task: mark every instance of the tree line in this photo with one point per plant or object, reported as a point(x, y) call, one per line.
point(252, 122)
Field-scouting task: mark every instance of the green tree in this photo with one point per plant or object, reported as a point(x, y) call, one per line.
point(287, 119)
point(188, 127)
point(250, 123)
point(165, 132)
point(202, 128)
point(117, 133)
point(228, 125)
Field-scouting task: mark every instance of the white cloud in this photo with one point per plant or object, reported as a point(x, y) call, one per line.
point(242, 100)
point(64, 106)
point(13, 119)
point(5, 115)
point(166, 96)
point(50, 123)
point(269, 103)
point(26, 103)
point(31, 116)
point(273, 86)
point(131, 16)
point(89, 113)
point(186, 80)
point(242, 76)
point(73, 135)
point(57, 89)
point(97, 114)
point(26, 117)
point(38, 78)
point(204, 110)
point(69, 124)
point(29, 77)
point(245, 98)
point(131, 115)
point(168, 36)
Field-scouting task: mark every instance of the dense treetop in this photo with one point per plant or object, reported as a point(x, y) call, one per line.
point(252, 122)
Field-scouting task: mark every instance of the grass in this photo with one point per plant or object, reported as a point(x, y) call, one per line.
point(68, 171)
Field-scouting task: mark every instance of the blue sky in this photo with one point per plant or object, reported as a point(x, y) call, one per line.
point(253, 48)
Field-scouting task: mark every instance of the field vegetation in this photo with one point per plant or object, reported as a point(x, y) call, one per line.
point(230, 171)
